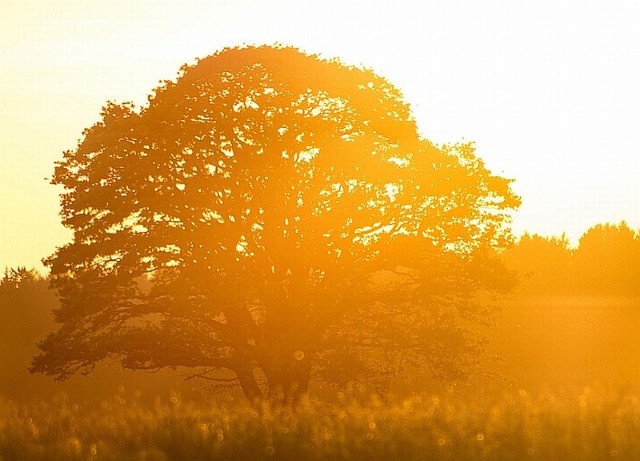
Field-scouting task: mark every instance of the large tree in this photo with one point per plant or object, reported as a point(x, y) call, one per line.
point(274, 216)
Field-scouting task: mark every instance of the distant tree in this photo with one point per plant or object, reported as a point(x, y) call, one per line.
point(22, 291)
point(544, 264)
point(14, 278)
point(289, 222)
point(608, 260)
point(25, 317)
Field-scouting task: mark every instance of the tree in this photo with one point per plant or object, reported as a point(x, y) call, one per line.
point(23, 320)
point(544, 263)
point(241, 221)
point(608, 260)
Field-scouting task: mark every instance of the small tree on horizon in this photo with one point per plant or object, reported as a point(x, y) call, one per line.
point(275, 216)
point(607, 260)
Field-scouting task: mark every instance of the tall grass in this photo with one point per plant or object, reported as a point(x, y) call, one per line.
point(592, 424)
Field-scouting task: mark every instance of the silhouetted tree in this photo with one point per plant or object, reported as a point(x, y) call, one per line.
point(23, 292)
point(608, 260)
point(544, 264)
point(25, 317)
point(284, 210)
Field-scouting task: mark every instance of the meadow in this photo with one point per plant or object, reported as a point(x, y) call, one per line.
point(592, 423)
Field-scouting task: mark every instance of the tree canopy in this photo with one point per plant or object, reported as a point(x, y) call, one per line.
point(275, 216)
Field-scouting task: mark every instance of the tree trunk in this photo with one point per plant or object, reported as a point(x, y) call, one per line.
point(283, 345)
point(249, 385)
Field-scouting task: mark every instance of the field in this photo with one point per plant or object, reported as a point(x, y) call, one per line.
point(588, 424)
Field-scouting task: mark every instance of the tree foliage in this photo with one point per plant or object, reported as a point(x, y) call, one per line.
point(275, 215)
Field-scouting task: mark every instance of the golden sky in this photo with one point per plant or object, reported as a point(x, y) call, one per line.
point(548, 90)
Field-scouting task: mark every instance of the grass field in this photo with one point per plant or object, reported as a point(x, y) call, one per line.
point(590, 424)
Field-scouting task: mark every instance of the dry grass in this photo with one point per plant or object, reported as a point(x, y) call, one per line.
point(592, 424)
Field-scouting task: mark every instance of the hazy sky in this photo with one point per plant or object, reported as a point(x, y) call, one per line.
point(548, 90)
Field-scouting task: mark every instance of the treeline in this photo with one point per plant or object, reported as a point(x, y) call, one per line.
point(606, 262)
